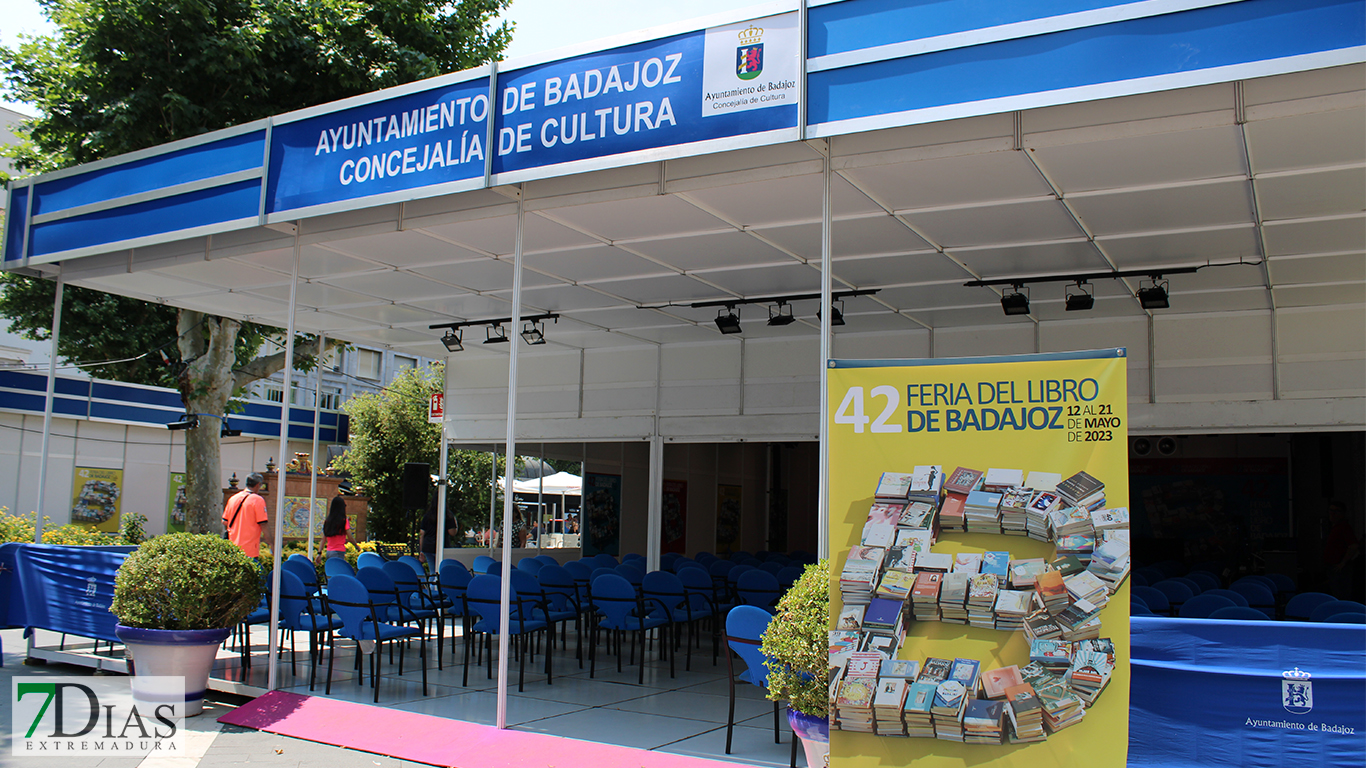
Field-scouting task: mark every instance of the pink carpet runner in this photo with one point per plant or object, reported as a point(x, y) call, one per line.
point(438, 740)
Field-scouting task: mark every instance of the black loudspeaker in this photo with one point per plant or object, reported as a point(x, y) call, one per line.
point(417, 483)
point(343, 428)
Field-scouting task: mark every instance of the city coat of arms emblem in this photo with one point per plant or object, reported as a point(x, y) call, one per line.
point(1297, 692)
point(749, 56)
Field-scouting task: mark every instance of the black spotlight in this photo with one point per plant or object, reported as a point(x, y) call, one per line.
point(1166, 446)
point(224, 431)
point(1154, 296)
point(452, 341)
point(1015, 302)
point(1081, 300)
point(783, 316)
point(728, 320)
point(533, 333)
point(1142, 446)
point(189, 422)
point(495, 334)
point(836, 312)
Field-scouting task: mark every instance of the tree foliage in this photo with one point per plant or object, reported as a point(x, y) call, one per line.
point(389, 429)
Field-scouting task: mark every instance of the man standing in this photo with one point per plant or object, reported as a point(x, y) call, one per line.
point(244, 515)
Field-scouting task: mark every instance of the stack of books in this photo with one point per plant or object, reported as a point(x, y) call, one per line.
point(1014, 511)
point(1093, 662)
point(1024, 571)
point(1054, 655)
point(914, 540)
point(926, 483)
point(1042, 481)
point(900, 558)
point(860, 574)
point(984, 721)
point(982, 512)
point(918, 516)
point(1041, 625)
point(1061, 707)
point(997, 564)
point(1078, 545)
point(925, 596)
point(966, 671)
point(850, 618)
point(946, 710)
point(1036, 515)
point(1110, 563)
point(893, 486)
point(1067, 565)
point(915, 715)
point(982, 590)
point(1011, 609)
point(907, 669)
point(1052, 591)
point(1070, 521)
point(1089, 587)
point(1112, 519)
point(854, 704)
point(1025, 713)
point(879, 530)
point(882, 616)
point(1082, 490)
point(996, 681)
point(936, 562)
point(951, 512)
point(887, 703)
point(896, 585)
point(953, 594)
point(999, 480)
point(1079, 620)
point(963, 481)
point(967, 562)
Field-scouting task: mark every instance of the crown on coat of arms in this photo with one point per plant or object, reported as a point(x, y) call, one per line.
point(1296, 674)
point(751, 36)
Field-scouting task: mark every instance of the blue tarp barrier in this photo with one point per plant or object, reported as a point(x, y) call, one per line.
point(1246, 693)
point(61, 589)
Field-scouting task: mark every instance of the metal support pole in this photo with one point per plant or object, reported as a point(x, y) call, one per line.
point(655, 525)
point(47, 405)
point(441, 493)
point(823, 500)
point(317, 410)
point(272, 676)
point(505, 607)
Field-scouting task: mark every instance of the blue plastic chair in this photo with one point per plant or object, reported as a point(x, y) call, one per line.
point(562, 591)
point(1302, 606)
point(704, 596)
point(1346, 618)
point(705, 558)
point(771, 566)
point(1237, 598)
point(1238, 613)
point(1284, 584)
point(1335, 607)
point(494, 568)
point(547, 560)
point(1137, 608)
point(1136, 579)
point(1193, 585)
point(1205, 580)
point(758, 588)
point(1136, 602)
point(745, 624)
point(415, 565)
point(1258, 597)
point(452, 579)
point(304, 570)
point(1201, 606)
point(484, 596)
point(665, 594)
point(366, 559)
point(1150, 573)
point(481, 564)
point(1176, 592)
point(622, 610)
point(530, 565)
point(359, 616)
point(631, 573)
point(582, 575)
point(421, 606)
point(788, 576)
point(604, 560)
point(337, 566)
point(1265, 581)
point(1154, 598)
point(301, 612)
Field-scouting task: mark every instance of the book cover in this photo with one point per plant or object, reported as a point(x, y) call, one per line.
point(967, 562)
point(927, 585)
point(984, 500)
point(1079, 486)
point(1043, 502)
point(917, 541)
point(851, 618)
point(1043, 481)
point(843, 640)
point(863, 664)
point(926, 481)
point(1050, 586)
point(963, 481)
point(882, 613)
point(896, 584)
point(885, 513)
point(921, 696)
point(893, 485)
point(1003, 478)
point(917, 514)
point(966, 672)
point(857, 692)
point(906, 668)
point(996, 681)
point(1067, 565)
point(953, 504)
point(997, 563)
point(949, 695)
point(935, 670)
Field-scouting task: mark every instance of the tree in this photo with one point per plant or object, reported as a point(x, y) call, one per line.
point(389, 429)
point(122, 75)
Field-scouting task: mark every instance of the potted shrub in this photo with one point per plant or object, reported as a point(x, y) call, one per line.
point(177, 597)
point(797, 642)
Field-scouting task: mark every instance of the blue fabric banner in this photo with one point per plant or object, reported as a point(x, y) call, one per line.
point(66, 589)
point(1246, 693)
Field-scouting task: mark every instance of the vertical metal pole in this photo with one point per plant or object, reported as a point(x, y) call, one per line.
point(504, 610)
point(47, 404)
point(441, 492)
point(540, 500)
point(655, 525)
point(272, 676)
point(493, 484)
point(317, 410)
point(823, 500)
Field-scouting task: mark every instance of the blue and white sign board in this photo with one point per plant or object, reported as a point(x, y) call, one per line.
point(380, 146)
point(715, 89)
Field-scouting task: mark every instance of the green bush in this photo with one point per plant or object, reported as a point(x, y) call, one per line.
point(186, 581)
point(16, 527)
point(133, 527)
point(75, 535)
point(798, 642)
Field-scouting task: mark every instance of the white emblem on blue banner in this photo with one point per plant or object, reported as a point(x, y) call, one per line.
point(1297, 692)
point(751, 65)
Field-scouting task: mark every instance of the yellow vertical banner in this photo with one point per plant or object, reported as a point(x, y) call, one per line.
point(979, 558)
point(95, 498)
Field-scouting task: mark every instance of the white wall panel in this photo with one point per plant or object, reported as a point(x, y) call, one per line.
point(881, 346)
point(1104, 333)
point(1213, 356)
point(1322, 351)
point(100, 444)
point(1013, 339)
point(701, 379)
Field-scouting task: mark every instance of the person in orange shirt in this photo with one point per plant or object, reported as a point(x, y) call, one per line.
point(244, 515)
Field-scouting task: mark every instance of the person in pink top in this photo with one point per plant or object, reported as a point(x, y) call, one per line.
point(336, 527)
point(244, 514)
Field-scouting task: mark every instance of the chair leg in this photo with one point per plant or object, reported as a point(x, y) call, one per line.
point(331, 657)
point(730, 713)
point(465, 678)
point(776, 738)
point(793, 761)
point(374, 666)
point(422, 652)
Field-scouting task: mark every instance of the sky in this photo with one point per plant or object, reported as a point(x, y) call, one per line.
point(542, 25)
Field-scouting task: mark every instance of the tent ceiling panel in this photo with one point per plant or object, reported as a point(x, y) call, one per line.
point(404, 249)
point(1148, 250)
point(540, 233)
point(1302, 85)
point(1225, 202)
point(1312, 194)
point(792, 277)
point(391, 336)
point(1320, 295)
point(319, 296)
point(1045, 258)
point(238, 305)
point(951, 181)
point(639, 218)
point(1217, 279)
point(864, 236)
point(1052, 306)
point(938, 138)
point(225, 274)
point(490, 236)
point(978, 315)
point(706, 251)
point(677, 334)
point(1320, 269)
point(1115, 158)
point(563, 298)
point(314, 261)
point(464, 306)
point(1220, 300)
point(480, 275)
point(1309, 140)
point(739, 161)
point(871, 322)
point(1129, 109)
point(784, 200)
point(329, 322)
point(1017, 223)
point(898, 269)
point(152, 284)
point(1316, 235)
point(392, 285)
point(393, 314)
point(914, 298)
point(660, 289)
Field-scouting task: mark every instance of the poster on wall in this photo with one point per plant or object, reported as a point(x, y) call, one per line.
point(296, 517)
point(95, 498)
point(727, 518)
point(674, 535)
point(601, 513)
point(979, 538)
point(175, 503)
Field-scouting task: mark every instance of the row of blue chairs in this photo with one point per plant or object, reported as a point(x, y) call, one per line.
point(1225, 604)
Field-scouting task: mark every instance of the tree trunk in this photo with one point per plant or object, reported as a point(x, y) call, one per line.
point(205, 386)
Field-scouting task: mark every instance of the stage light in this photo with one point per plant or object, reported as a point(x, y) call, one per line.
point(783, 316)
point(189, 422)
point(728, 320)
point(533, 333)
point(1154, 296)
point(452, 341)
point(225, 432)
point(1014, 302)
point(1081, 300)
point(495, 334)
